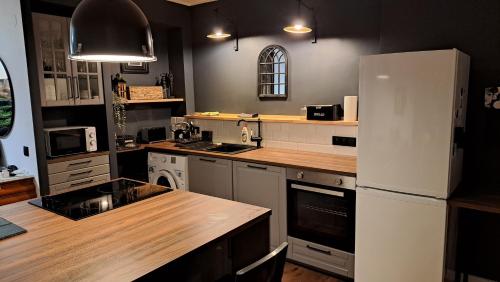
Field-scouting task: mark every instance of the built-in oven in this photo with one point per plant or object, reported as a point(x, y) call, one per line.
point(321, 220)
point(62, 141)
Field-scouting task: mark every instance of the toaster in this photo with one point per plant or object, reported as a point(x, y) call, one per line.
point(324, 112)
point(153, 134)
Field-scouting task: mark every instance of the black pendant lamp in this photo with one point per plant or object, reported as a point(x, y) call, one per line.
point(110, 31)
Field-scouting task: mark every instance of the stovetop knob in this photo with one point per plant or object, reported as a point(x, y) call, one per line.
point(338, 181)
point(300, 175)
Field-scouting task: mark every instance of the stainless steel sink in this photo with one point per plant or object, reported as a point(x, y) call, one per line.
point(224, 148)
point(228, 148)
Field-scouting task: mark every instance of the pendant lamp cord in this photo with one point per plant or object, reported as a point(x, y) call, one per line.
point(236, 46)
point(300, 4)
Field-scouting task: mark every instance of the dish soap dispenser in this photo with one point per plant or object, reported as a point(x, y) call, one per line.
point(244, 134)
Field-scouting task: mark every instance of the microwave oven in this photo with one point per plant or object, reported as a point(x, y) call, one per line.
point(61, 141)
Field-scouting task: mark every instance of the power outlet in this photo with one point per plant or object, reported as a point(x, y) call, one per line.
point(344, 141)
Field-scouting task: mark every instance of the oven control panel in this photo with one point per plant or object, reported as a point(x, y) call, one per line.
point(328, 179)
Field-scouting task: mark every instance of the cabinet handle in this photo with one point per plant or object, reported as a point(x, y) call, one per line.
point(80, 163)
point(80, 173)
point(319, 250)
point(77, 88)
point(70, 87)
point(257, 167)
point(81, 183)
point(207, 160)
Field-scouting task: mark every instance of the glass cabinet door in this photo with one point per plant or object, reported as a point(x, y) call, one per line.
point(89, 83)
point(51, 36)
point(63, 82)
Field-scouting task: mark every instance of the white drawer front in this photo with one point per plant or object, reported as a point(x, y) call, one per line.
point(78, 184)
point(77, 164)
point(73, 175)
point(322, 257)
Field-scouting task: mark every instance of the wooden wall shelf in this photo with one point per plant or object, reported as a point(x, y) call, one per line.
point(272, 118)
point(172, 100)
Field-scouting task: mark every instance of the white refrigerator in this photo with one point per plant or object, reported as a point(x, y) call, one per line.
point(411, 121)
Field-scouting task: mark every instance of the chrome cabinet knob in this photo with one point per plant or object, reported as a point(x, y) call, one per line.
point(338, 181)
point(300, 175)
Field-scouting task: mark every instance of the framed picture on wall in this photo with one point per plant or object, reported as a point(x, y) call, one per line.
point(492, 98)
point(134, 68)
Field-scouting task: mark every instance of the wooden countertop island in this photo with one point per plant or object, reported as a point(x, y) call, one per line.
point(166, 235)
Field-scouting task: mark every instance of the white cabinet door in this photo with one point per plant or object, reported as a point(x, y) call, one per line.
point(87, 80)
point(405, 121)
point(399, 237)
point(211, 176)
point(63, 82)
point(263, 186)
point(55, 77)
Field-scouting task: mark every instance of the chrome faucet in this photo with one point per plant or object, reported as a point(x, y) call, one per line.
point(258, 138)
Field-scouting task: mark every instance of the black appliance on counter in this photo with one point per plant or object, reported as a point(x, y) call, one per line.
point(153, 134)
point(98, 199)
point(324, 112)
point(125, 141)
point(321, 219)
point(186, 132)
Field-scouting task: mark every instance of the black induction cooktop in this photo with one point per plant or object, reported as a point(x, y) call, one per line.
point(99, 199)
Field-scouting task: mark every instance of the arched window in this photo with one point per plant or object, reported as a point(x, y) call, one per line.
point(273, 72)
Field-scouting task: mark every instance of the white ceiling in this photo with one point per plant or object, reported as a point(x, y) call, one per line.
point(191, 2)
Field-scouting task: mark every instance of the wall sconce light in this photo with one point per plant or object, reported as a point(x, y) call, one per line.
point(299, 26)
point(218, 32)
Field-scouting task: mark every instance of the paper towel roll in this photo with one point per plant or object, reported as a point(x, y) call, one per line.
point(350, 108)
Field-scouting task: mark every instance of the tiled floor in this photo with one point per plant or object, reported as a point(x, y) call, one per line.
point(296, 273)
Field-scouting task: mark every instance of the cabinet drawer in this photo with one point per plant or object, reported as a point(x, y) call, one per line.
point(77, 164)
point(211, 176)
point(73, 175)
point(322, 257)
point(16, 191)
point(18, 186)
point(78, 184)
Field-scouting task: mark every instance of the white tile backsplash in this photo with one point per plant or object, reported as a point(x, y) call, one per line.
point(346, 131)
point(291, 136)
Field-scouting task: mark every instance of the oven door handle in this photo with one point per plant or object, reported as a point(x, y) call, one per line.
point(318, 190)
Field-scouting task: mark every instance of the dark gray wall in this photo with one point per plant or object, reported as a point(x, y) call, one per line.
point(323, 73)
point(145, 116)
point(319, 73)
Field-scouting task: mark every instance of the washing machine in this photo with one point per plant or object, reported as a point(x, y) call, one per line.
point(168, 170)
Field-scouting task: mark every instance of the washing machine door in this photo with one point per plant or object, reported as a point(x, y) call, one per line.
point(165, 178)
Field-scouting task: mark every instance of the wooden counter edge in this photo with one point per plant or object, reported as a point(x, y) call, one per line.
point(273, 118)
point(238, 157)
